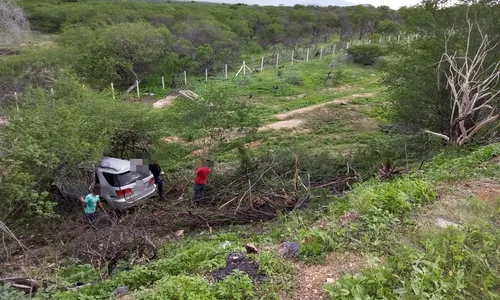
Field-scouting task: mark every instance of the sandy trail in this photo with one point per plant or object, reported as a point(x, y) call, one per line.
point(164, 102)
point(286, 115)
point(288, 124)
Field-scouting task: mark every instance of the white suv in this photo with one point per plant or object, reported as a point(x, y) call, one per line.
point(121, 183)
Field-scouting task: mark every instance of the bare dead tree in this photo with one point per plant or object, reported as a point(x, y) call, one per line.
point(474, 89)
point(14, 26)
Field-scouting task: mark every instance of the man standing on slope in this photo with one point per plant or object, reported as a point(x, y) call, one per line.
point(200, 181)
point(90, 203)
point(155, 169)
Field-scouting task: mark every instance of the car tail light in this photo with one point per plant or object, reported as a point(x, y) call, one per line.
point(123, 193)
point(152, 180)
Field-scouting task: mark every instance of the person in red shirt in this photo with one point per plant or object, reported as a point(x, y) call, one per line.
point(200, 181)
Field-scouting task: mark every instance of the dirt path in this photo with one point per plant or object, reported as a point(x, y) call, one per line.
point(286, 115)
point(311, 279)
point(288, 124)
point(164, 102)
point(454, 202)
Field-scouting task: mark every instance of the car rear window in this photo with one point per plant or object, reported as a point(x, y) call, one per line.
point(117, 180)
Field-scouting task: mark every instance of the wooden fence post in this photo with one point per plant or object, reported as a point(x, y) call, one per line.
point(293, 53)
point(185, 78)
point(17, 103)
point(399, 37)
point(163, 82)
point(277, 60)
point(347, 46)
point(137, 87)
point(206, 74)
point(225, 70)
point(389, 39)
point(307, 55)
point(333, 55)
point(244, 68)
point(321, 54)
point(52, 91)
point(113, 90)
point(380, 40)
point(262, 64)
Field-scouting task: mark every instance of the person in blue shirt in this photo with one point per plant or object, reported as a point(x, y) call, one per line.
point(90, 204)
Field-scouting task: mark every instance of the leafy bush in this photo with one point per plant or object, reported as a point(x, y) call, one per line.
point(235, 286)
point(120, 53)
point(73, 125)
point(78, 273)
point(294, 81)
point(180, 288)
point(367, 54)
point(398, 197)
point(8, 293)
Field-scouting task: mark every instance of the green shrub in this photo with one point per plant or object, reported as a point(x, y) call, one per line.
point(181, 288)
point(397, 197)
point(235, 286)
point(338, 78)
point(8, 293)
point(366, 54)
point(271, 264)
point(75, 273)
point(293, 80)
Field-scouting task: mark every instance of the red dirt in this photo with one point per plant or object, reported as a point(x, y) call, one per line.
point(311, 279)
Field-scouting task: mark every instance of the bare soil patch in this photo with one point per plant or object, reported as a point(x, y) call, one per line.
point(365, 124)
point(343, 88)
point(288, 124)
point(453, 203)
point(174, 139)
point(486, 190)
point(312, 278)
point(292, 113)
point(299, 96)
point(164, 102)
point(253, 144)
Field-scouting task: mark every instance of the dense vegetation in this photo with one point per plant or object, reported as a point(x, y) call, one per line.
point(105, 42)
point(378, 98)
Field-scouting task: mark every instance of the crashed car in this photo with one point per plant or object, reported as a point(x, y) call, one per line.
point(122, 183)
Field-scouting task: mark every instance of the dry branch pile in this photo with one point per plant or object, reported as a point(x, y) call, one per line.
point(104, 244)
point(247, 198)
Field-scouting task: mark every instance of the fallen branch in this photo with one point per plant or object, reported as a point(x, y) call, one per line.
point(444, 137)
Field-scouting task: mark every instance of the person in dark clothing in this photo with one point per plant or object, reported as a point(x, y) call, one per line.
point(155, 169)
point(200, 181)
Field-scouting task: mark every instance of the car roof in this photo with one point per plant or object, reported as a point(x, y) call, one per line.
point(115, 165)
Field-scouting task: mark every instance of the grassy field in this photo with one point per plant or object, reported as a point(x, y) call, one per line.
point(270, 94)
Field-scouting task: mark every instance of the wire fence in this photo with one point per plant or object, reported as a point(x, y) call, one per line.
point(277, 58)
